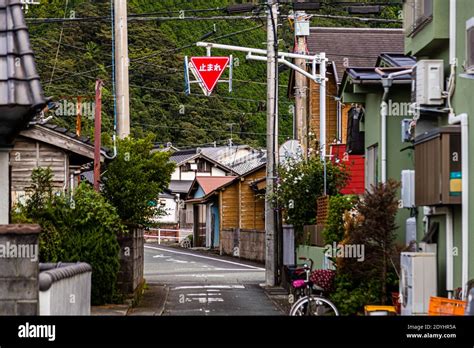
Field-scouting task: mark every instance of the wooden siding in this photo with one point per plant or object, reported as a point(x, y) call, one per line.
point(230, 207)
point(331, 112)
point(28, 154)
point(241, 207)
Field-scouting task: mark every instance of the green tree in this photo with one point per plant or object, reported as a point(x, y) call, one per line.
point(135, 178)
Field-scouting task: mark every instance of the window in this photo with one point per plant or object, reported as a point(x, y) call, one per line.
point(470, 46)
point(371, 174)
point(416, 14)
point(204, 166)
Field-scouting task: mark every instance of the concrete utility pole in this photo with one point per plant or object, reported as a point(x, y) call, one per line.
point(272, 144)
point(121, 70)
point(322, 112)
point(301, 81)
point(97, 133)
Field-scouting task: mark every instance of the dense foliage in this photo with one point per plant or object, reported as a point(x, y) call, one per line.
point(372, 280)
point(135, 178)
point(72, 55)
point(334, 228)
point(300, 183)
point(83, 228)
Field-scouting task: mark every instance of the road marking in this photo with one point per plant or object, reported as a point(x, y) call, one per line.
point(201, 275)
point(204, 257)
point(209, 287)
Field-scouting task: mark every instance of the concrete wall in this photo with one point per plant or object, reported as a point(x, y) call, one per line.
point(131, 261)
point(19, 274)
point(245, 244)
point(65, 289)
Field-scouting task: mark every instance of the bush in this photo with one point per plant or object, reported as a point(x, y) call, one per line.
point(334, 229)
point(300, 184)
point(79, 228)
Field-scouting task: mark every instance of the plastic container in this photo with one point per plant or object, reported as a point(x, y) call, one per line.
point(446, 306)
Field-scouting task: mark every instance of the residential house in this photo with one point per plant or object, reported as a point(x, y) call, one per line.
point(49, 146)
point(363, 87)
point(440, 33)
point(344, 47)
point(191, 163)
point(230, 211)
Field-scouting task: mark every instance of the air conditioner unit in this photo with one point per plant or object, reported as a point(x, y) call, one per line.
point(429, 82)
point(418, 282)
point(408, 188)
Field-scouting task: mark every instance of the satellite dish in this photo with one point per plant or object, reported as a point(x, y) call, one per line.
point(291, 151)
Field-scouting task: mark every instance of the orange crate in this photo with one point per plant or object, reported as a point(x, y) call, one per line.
point(446, 306)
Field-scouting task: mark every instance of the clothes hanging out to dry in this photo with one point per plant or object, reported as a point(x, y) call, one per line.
point(355, 137)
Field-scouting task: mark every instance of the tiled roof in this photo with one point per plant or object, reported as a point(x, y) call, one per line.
point(250, 162)
point(226, 155)
point(179, 157)
point(211, 183)
point(21, 94)
point(354, 46)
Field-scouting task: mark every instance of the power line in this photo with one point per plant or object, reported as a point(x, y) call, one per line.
point(198, 18)
point(59, 46)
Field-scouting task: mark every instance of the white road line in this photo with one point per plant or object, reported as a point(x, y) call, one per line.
point(204, 257)
point(209, 287)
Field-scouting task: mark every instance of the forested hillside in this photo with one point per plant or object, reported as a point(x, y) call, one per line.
point(72, 55)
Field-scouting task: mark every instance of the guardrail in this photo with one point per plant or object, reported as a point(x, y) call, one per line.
point(181, 234)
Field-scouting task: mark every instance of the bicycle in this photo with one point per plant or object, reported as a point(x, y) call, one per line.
point(310, 304)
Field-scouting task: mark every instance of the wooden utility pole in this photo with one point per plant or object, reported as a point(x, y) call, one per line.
point(121, 70)
point(97, 133)
point(79, 116)
point(301, 81)
point(272, 143)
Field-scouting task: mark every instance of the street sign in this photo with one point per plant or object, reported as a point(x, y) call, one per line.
point(208, 70)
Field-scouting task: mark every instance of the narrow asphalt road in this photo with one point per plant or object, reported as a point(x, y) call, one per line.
point(204, 284)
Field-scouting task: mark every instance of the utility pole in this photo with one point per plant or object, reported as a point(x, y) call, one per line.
point(97, 133)
point(272, 143)
point(301, 81)
point(322, 111)
point(121, 70)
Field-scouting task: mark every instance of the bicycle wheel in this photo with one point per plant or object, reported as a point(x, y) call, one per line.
point(313, 306)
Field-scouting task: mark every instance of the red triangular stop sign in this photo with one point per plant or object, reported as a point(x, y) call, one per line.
point(210, 69)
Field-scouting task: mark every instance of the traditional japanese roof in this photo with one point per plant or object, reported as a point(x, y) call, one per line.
point(354, 46)
point(209, 186)
point(249, 163)
point(212, 183)
point(21, 94)
point(62, 138)
point(180, 186)
point(223, 155)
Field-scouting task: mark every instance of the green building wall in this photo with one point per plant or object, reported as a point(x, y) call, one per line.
point(432, 42)
point(398, 159)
